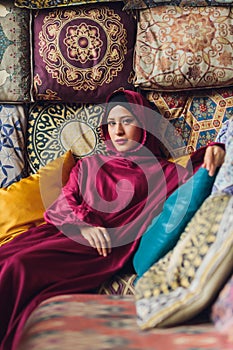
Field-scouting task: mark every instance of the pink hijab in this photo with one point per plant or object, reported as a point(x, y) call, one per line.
point(142, 110)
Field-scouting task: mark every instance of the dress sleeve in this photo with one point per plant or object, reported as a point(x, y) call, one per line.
point(67, 209)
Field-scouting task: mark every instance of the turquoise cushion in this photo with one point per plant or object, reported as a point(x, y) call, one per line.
point(166, 228)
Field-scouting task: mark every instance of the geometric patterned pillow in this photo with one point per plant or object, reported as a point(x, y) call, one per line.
point(222, 134)
point(142, 4)
point(189, 277)
point(55, 128)
point(119, 285)
point(15, 71)
point(180, 48)
point(192, 119)
point(83, 53)
point(13, 124)
point(40, 4)
point(224, 178)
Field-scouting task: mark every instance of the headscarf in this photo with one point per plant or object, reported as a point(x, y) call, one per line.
point(142, 110)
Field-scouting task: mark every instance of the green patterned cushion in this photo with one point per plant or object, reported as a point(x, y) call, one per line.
point(54, 128)
point(180, 48)
point(195, 117)
point(186, 280)
point(41, 4)
point(15, 78)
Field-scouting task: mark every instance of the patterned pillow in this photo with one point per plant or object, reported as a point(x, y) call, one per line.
point(224, 179)
point(222, 309)
point(15, 69)
point(195, 117)
point(12, 144)
point(23, 203)
point(83, 53)
point(188, 278)
point(41, 4)
point(166, 228)
point(142, 4)
point(119, 285)
point(54, 128)
point(180, 48)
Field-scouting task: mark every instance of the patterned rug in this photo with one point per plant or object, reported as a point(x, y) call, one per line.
point(102, 322)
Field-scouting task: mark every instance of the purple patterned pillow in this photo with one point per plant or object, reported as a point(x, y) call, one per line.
point(83, 53)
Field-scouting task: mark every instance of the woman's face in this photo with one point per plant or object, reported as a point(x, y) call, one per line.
point(123, 128)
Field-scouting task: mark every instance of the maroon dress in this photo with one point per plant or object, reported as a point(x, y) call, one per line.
point(122, 192)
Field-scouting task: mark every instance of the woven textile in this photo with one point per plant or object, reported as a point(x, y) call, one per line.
point(142, 4)
point(184, 282)
point(108, 322)
point(15, 66)
point(180, 48)
point(13, 124)
point(42, 4)
point(195, 117)
point(54, 128)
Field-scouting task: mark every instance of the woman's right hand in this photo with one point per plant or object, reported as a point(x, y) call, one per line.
point(98, 238)
point(214, 158)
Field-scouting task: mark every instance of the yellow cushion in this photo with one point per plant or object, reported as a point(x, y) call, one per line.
point(23, 203)
point(182, 160)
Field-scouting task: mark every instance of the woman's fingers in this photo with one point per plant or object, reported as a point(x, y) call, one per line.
point(103, 241)
point(98, 238)
point(214, 158)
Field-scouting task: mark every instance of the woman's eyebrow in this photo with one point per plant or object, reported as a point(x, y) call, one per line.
point(122, 117)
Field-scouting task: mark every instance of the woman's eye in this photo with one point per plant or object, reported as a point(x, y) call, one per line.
point(111, 123)
point(128, 121)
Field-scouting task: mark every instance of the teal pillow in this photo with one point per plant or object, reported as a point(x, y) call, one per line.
point(166, 228)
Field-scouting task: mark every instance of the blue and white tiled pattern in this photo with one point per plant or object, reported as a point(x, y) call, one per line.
point(12, 144)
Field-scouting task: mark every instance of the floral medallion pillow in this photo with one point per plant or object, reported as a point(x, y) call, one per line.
point(184, 282)
point(13, 124)
point(192, 119)
point(41, 4)
point(55, 128)
point(142, 4)
point(15, 78)
point(180, 48)
point(83, 53)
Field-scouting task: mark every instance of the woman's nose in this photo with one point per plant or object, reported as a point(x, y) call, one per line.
point(119, 129)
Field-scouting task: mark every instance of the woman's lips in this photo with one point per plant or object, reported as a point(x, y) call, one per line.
point(121, 141)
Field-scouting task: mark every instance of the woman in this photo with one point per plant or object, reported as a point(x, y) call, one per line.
point(94, 226)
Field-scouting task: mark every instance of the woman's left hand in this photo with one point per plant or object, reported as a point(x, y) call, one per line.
point(98, 237)
point(214, 158)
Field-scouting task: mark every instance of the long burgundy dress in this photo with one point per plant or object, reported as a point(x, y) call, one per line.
point(122, 192)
